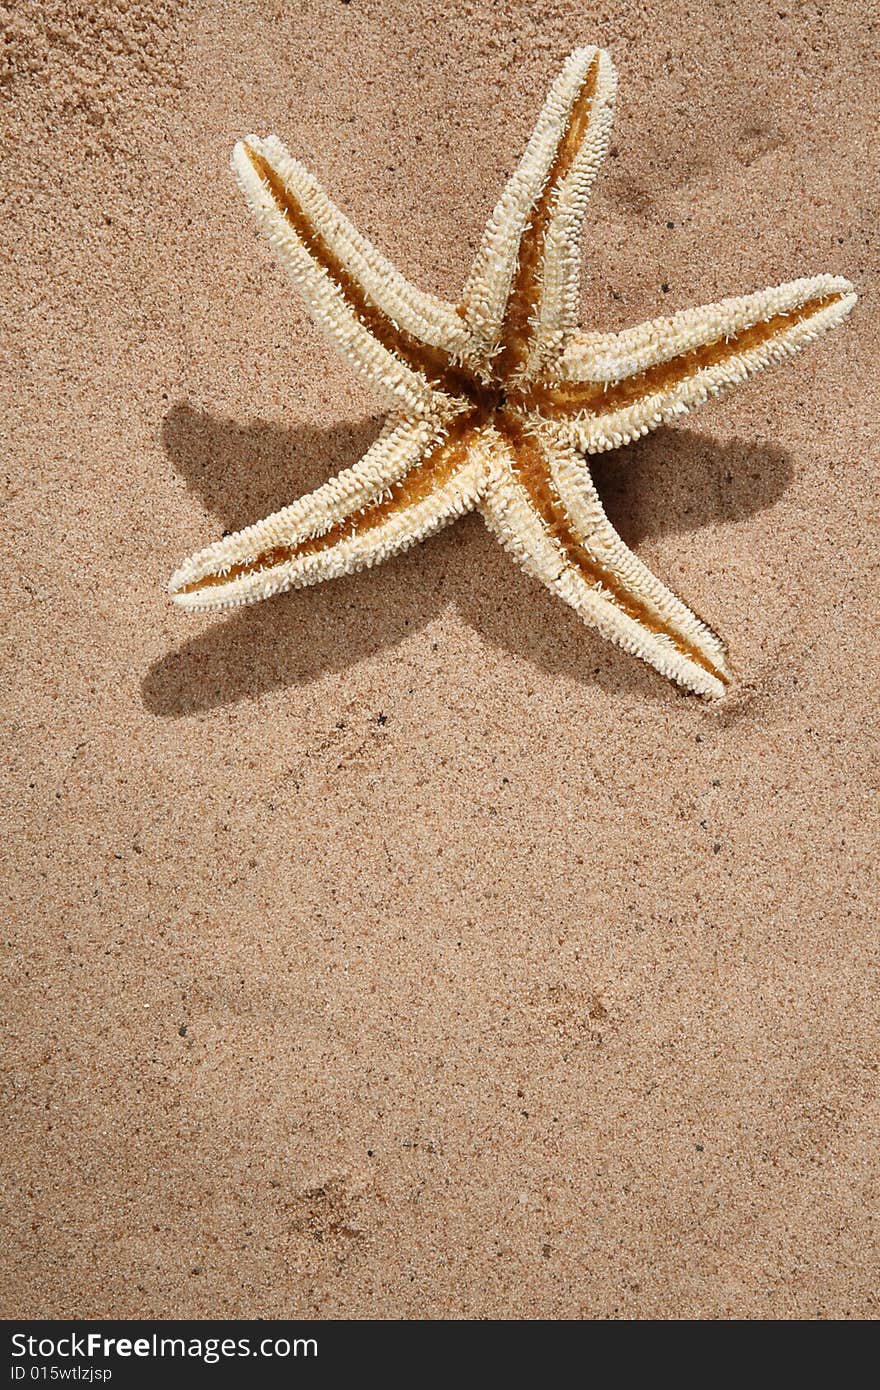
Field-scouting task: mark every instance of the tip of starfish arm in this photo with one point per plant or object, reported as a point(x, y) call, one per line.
point(706, 673)
point(718, 688)
point(607, 72)
point(207, 580)
point(828, 285)
point(177, 584)
point(189, 595)
point(184, 587)
point(244, 146)
point(586, 52)
point(247, 175)
point(242, 155)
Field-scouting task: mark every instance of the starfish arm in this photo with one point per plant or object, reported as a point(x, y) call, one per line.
point(381, 326)
point(521, 296)
point(424, 317)
point(418, 476)
point(612, 388)
point(540, 502)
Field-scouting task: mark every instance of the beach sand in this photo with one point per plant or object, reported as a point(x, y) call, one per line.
point(399, 948)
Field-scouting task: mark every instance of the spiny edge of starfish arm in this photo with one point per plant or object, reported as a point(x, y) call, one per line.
point(662, 610)
point(418, 476)
point(426, 317)
point(600, 415)
point(614, 356)
point(334, 294)
point(488, 288)
point(557, 280)
point(534, 531)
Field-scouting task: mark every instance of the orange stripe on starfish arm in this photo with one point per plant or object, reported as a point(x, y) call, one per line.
point(605, 414)
point(508, 259)
point(429, 494)
point(592, 548)
point(523, 301)
point(635, 589)
point(338, 298)
point(530, 534)
point(423, 317)
point(543, 305)
point(557, 280)
point(609, 357)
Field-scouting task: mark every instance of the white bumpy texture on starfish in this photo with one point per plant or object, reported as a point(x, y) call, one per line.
point(497, 400)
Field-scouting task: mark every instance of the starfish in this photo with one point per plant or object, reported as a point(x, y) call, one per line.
point(496, 401)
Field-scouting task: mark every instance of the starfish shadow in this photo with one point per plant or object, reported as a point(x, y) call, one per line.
point(671, 482)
